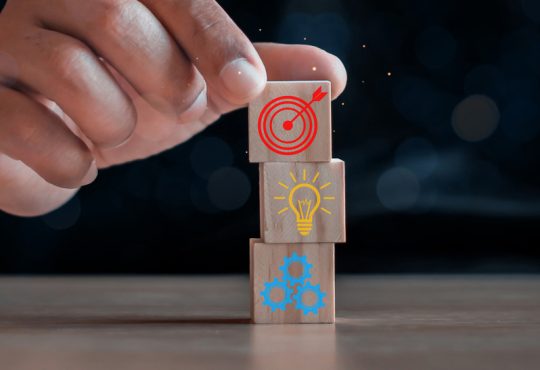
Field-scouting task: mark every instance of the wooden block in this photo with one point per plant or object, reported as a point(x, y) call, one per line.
point(290, 121)
point(292, 283)
point(303, 202)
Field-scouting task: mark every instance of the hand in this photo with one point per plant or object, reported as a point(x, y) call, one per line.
point(89, 84)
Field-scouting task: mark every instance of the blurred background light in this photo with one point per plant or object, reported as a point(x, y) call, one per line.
point(475, 118)
point(199, 197)
point(418, 155)
point(229, 188)
point(398, 189)
point(209, 154)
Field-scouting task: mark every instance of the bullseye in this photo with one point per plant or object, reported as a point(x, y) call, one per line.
point(288, 124)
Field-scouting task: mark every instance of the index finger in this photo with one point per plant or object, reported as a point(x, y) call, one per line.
point(216, 46)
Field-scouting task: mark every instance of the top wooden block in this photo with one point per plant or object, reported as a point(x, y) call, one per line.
point(290, 121)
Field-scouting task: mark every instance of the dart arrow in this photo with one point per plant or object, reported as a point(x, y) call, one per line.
point(318, 95)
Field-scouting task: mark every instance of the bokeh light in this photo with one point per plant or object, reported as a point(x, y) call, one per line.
point(209, 154)
point(418, 155)
point(475, 118)
point(486, 80)
point(199, 197)
point(228, 188)
point(398, 189)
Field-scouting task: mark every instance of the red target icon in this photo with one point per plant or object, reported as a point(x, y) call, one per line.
point(288, 125)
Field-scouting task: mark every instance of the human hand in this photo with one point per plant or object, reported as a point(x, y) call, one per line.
point(90, 84)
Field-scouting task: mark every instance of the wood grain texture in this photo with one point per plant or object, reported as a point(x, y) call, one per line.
point(265, 263)
point(281, 224)
point(320, 149)
point(465, 322)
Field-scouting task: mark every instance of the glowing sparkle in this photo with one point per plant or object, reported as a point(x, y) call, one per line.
point(342, 104)
point(313, 68)
point(260, 29)
point(239, 72)
point(305, 38)
point(364, 46)
point(389, 74)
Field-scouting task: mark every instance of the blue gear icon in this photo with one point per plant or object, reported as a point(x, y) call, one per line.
point(316, 289)
point(287, 261)
point(287, 293)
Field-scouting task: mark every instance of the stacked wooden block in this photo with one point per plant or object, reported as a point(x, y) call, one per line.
point(302, 200)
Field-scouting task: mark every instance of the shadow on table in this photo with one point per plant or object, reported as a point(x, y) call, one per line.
point(54, 321)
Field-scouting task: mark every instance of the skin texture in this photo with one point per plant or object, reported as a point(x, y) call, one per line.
point(88, 84)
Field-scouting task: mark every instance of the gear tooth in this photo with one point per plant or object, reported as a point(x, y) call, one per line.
point(276, 283)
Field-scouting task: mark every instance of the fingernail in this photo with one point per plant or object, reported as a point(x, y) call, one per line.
point(242, 79)
point(91, 175)
point(195, 110)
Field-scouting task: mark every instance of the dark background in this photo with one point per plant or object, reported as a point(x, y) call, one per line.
point(442, 154)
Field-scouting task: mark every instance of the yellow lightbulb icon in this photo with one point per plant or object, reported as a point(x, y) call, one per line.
point(304, 208)
point(304, 200)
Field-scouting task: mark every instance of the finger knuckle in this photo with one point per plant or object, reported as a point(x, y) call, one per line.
point(66, 62)
point(182, 90)
point(114, 16)
point(194, 85)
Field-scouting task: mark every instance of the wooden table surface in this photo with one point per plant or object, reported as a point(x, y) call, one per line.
point(423, 322)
